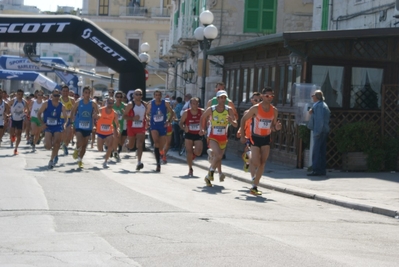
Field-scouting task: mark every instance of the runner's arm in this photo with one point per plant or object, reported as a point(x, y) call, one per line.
point(182, 122)
point(40, 112)
point(126, 112)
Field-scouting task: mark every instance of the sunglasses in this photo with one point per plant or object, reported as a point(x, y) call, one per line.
point(256, 100)
point(138, 94)
point(56, 95)
point(39, 95)
point(110, 103)
point(313, 95)
point(111, 92)
point(269, 96)
point(118, 97)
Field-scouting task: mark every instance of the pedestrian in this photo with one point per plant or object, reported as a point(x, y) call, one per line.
point(156, 114)
point(108, 119)
point(319, 124)
point(19, 108)
point(264, 120)
point(176, 128)
point(135, 116)
point(219, 116)
point(190, 124)
point(53, 125)
point(82, 115)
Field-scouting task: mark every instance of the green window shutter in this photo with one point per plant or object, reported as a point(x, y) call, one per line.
point(176, 19)
point(183, 8)
point(260, 16)
point(324, 18)
point(55, 55)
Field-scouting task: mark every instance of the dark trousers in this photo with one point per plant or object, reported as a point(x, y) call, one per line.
point(319, 161)
point(176, 135)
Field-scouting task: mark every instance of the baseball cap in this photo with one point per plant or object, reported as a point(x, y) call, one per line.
point(220, 93)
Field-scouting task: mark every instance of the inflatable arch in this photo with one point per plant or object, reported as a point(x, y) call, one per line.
point(82, 33)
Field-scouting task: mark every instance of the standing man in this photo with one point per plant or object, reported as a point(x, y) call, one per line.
point(82, 115)
point(34, 119)
point(135, 116)
point(190, 124)
point(120, 133)
point(4, 114)
point(157, 111)
point(176, 127)
point(264, 121)
point(68, 103)
point(53, 124)
point(219, 116)
point(319, 124)
point(18, 107)
point(105, 129)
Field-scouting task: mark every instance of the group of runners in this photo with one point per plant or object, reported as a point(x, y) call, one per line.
point(62, 117)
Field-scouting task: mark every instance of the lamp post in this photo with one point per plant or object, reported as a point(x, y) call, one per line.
point(188, 76)
point(205, 35)
point(80, 85)
point(144, 56)
point(111, 72)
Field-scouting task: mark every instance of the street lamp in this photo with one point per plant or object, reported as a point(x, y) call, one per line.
point(294, 58)
point(188, 76)
point(80, 85)
point(205, 35)
point(144, 57)
point(112, 73)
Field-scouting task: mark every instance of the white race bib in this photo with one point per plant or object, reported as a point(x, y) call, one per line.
point(51, 121)
point(219, 130)
point(137, 124)
point(158, 118)
point(194, 127)
point(105, 127)
point(84, 125)
point(264, 124)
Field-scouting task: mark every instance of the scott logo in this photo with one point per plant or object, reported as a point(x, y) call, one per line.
point(86, 35)
point(32, 27)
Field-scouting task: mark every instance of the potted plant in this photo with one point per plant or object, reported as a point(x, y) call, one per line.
point(361, 146)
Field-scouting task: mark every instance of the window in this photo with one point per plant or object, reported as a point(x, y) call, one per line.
point(260, 16)
point(133, 44)
point(324, 15)
point(167, 3)
point(103, 8)
point(366, 88)
point(330, 79)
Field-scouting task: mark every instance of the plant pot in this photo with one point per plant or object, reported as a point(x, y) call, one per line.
point(354, 161)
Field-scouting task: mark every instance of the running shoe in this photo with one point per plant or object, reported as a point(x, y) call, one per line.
point(80, 164)
point(33, 148)
point(65, 149)
point(210, 175)
point(190, 172)
point(254, 191)
point(75, 154)
point(15, 152)
point(50, 165)
point(118, 159)
point(221, 177)
point(158, 169)
point(105, 165)
point(56, 160)
point(246, 167)
point(210, 154)
point(139, 166)
point(208, 182)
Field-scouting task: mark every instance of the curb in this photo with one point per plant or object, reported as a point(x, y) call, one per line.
point(310, 195)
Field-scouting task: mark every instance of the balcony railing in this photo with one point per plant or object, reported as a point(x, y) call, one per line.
point(160, 12)
point(134, 11)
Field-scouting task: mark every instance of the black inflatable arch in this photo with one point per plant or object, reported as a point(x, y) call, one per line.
point(84, 34)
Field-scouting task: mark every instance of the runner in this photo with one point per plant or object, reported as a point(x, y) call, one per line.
point(247, 155)
point(82, 115)
point(219, 116)
point(135, 115)
point(34, 120)
point(53, 124)
point(68, 103)
point(156, 114)
point(190, 124)
point(220, 86)
point(264, 121)
point(120, 136)
point(4, 114)
point(168, 139)
point(105, 128)
point(18, 112)
point(26, 124)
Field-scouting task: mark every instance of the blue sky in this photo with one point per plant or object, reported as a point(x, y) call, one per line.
point(51, 5)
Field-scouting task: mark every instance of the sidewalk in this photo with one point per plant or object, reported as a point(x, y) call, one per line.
point(372, 192)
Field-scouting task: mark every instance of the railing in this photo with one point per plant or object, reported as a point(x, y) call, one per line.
point(133, 11)
point(160, 12)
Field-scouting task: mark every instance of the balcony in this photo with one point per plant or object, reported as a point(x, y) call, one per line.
point(160, 12)
point(132, 11)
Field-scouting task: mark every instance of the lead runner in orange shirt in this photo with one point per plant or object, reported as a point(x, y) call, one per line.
point(264, 121)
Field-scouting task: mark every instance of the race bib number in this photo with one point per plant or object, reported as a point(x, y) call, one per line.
point(219, 130)
point(51, 121)
point(84, 125)
point(264, 124)
point(120, 116)
point(105, 127)
point(158, 118)
point(137, 124)
point(194, 127)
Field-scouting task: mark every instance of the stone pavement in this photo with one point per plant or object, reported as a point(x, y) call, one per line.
point(372, 192)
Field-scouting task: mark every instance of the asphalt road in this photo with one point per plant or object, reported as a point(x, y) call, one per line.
point(120, 217)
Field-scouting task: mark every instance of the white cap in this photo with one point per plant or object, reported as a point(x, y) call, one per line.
point(220, 93)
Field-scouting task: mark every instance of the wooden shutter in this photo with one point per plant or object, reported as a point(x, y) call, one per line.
point(269, 9)
point(260, 16)
point(324, 18)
